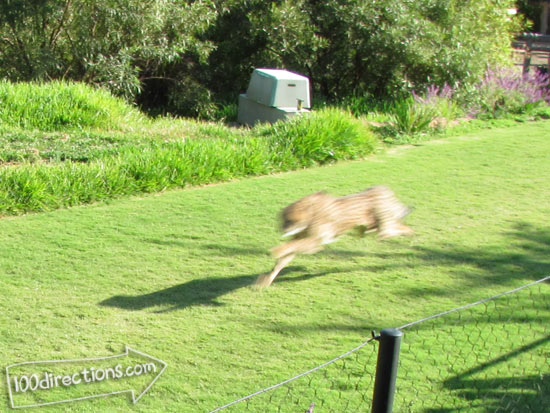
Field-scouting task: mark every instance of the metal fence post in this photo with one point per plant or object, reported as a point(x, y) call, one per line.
point(386, 370)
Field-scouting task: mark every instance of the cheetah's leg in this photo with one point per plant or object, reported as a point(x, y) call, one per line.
point(389, 231)
point(265, 280)
point(286, 253)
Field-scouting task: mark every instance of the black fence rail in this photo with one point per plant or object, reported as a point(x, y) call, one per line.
point(489, 356)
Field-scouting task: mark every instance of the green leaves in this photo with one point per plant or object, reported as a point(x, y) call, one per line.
point(409, 117)
point(384, 48)
point(185, 57)
point(108, 42)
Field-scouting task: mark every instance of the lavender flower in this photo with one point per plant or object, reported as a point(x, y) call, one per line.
point(434, 93)
point(531, 86)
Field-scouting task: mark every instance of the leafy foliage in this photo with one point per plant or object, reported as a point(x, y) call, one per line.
point(504, 91)
point(115, 43)
point(409, 117)
point(383, 48)
point(191, 57)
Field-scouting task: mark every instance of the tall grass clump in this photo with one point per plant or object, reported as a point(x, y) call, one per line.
point(318, 137)
point(441, 102)
point(408, 117)
point(54, 106)
point(134, 170)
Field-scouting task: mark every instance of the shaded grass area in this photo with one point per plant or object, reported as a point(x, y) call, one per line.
point(168, 274)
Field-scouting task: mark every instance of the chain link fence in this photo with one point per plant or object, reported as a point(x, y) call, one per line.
point(343, 384)
point(488, 356)
point(491, 356)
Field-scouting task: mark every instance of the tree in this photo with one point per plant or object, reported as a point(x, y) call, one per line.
point(385, 48)
point(114, 43)
point(182, 56)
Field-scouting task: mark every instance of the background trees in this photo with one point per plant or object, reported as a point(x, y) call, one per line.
point(185, 57)
point(115, 43)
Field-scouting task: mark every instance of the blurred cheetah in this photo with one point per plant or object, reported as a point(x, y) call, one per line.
point(320, 218)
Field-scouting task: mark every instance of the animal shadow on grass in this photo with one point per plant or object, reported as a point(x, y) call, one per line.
point(202, 291)
point(206, 291)
point(528, 393)
point(213, 248)
point(198, 292)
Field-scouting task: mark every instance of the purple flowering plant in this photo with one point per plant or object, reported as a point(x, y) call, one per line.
point(499, 92)
point(508, 90)
point(442, 101)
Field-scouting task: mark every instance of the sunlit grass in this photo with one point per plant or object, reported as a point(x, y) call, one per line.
point(57, 105)
point(169, 275)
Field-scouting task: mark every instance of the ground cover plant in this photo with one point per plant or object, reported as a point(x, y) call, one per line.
point(169, 274)
point(67, 143)
point(97, 147)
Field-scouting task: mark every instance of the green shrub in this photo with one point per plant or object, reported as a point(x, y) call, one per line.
point(448, 108)
point(57, 106)
point(441, 100)
point(408, 117)
point(506, 91)
point(351, 47)
point(367, 105)
point(318, 137)
point(226, 112)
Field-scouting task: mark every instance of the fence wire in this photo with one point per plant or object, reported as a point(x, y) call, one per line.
point(489, 356)
point(343, 384)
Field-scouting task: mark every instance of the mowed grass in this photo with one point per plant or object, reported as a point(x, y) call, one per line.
point(170, 274)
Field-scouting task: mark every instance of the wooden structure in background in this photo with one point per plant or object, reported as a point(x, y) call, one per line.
point(535, 49)
point(544, 16)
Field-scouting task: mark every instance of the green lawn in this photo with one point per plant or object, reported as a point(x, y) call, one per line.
point(169, 275)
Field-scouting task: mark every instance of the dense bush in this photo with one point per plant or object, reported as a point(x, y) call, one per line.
point(185, 57)
point(357, 47)
point(115, 43)
point(389, 47)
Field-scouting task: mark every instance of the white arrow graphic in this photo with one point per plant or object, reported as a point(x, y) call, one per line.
point(42, 379)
